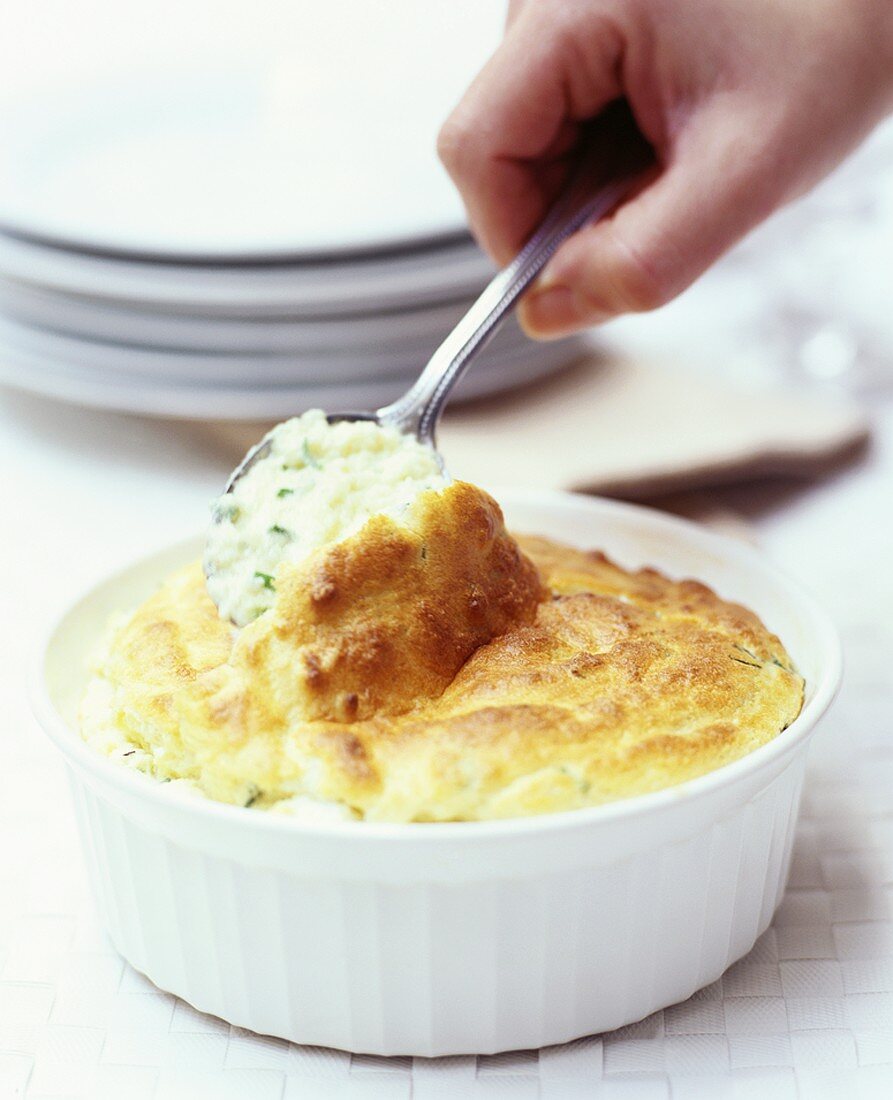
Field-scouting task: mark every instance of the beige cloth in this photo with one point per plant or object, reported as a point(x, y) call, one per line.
point(632, 429)
point(629, 429)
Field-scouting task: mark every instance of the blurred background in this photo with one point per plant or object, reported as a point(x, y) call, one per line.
point(210, 213)
point(218, 213)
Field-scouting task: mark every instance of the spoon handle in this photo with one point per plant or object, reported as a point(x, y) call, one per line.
point(615, 157)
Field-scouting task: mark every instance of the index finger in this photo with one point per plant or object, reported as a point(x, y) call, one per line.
point(506, 142)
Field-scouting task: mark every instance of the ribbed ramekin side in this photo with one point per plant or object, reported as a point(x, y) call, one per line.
point(654, 929)
point(432, 967)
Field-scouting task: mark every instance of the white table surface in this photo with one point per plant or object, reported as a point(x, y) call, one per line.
point(808, 1013)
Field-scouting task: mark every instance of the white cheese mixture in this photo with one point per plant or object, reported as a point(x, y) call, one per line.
point(319, 484)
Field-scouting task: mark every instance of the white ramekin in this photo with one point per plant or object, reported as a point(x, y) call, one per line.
point(456, 938)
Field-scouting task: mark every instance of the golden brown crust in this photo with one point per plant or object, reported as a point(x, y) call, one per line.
point(385, 619)
point(621, 683)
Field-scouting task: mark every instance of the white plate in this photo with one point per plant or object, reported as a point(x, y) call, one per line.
point(361, 363)
point(145, 396)
point(431, 275)
point(328, 145)
point(93, 319)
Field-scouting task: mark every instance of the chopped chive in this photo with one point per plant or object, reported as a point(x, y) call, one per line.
point(285, 492)
point(227, 511)
point(309, 457)
point(267, 580)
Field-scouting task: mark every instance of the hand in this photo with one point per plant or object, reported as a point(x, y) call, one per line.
point(747, 103)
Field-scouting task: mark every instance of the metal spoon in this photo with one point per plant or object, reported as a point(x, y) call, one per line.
point(615, 157)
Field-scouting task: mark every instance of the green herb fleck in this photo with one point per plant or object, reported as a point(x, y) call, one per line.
point(308, 458)
point(285, 492)
point(754, 661)
point(267, 580)
point(231, 512)
point(277, 530)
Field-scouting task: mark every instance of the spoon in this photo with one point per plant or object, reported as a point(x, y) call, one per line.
point(615, 155)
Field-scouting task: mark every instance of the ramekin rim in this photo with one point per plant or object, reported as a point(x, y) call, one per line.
point(830, 659)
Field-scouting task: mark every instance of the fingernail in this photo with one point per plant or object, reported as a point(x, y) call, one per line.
point(549, 311)
point(553, 310)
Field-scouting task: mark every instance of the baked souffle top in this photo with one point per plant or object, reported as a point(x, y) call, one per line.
point(427, 666)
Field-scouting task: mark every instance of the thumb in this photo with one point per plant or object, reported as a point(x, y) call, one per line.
point(658, 242)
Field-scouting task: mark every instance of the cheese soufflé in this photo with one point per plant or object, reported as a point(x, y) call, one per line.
point(402, 657)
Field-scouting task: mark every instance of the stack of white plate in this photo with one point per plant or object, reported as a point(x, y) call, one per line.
point(253, 241)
